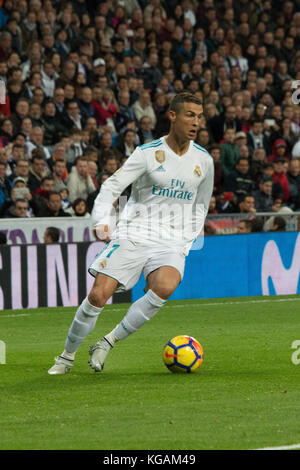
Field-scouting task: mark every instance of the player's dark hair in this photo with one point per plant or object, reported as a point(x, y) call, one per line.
point(183, 97)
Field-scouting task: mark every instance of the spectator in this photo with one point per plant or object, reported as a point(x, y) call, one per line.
point(54, 207)
point(5, 188)
point(279, 150)
point(256, 137)
point(278, 224)
point(257, 225)
point(263, 196)
point(219, 124)
point(142, 107)
point(247, 204)
point(127, 145)
point(293, 176)
point(37, 172)
point(36, 142)
point(80, 183)
point(230, 152)
point(239, 181)
point(145, 130)
point(215, 152)
point(79, 208)
point(72, 117)
point(280, 177)
point(244, 226)
point(85, 104)
point(51, 235)
point(19, 209)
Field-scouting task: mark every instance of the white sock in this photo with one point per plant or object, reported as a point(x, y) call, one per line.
point(84, 322)
point(139, 313)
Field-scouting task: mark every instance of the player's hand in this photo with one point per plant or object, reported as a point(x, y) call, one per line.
point(102, 232)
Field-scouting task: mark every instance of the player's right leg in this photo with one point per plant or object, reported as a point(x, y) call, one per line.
point(84, 322)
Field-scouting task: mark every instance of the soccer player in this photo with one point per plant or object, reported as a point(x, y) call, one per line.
point(172, 182)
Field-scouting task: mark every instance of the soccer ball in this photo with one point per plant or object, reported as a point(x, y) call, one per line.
point(183, 354)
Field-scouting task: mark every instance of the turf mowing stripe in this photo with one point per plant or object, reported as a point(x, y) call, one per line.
point(291, 447)
point(214, 304)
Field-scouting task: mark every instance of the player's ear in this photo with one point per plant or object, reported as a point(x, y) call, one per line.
point(171, 115)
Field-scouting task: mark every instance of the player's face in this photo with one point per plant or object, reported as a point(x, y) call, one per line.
point(186, 121)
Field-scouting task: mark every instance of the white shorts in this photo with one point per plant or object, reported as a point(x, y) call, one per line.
point(125, 261)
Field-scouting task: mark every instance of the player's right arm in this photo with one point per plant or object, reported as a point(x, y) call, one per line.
point(103, 213)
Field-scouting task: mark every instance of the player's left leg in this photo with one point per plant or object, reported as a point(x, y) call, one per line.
point(162, 283)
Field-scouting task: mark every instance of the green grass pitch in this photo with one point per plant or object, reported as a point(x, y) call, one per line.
point(244, 396)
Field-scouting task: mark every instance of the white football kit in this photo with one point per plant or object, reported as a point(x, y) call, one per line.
point(165, 212)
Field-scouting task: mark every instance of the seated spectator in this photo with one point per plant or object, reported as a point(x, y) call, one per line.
point(49, 123)
point(127, 145)
point(19, 209)
point(257, 225)
point(263, 196)
point(80, 183)
point(279, 150)
point(93, 172)
point(256, 137)
point(85, 104)
point(230, 152)
point(239, 181)
point(145, 130)
point(54, 207)
point(226, 120)
point(59, 174)
point(247, 205)
point(41, 195)
point(143, 107)
point(17, 184)
point(72, 117)
point(212, 208)
point(110, 164)
point(258, 163)
point(278, 224)
point(244, 226)
point(79, 208)
point(51, 235)
point(21, 169)
point(279, 176)
point(215, 152)
point(65, 201)
point(293, 176)
point(36, 141)
point(5, 189)
point(38, 170)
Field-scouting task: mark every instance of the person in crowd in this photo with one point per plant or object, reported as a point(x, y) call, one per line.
point(51, 235)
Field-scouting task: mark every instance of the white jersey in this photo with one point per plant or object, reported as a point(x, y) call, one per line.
point(169, 199)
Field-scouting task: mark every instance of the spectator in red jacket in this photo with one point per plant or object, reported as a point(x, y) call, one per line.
point(279, 176)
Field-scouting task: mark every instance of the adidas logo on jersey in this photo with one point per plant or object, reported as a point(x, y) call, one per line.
point(160, 168)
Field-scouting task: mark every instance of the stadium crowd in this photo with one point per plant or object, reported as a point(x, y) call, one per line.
point(88, 81)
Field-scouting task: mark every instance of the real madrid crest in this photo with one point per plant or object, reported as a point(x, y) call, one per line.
point(103, 263)
point(197, 171)
point(160, 156)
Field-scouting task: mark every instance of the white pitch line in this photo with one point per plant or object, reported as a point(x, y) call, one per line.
point(291, 447)
point(191, 305)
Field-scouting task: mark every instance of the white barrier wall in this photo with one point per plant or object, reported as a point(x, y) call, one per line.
point(27, 231)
